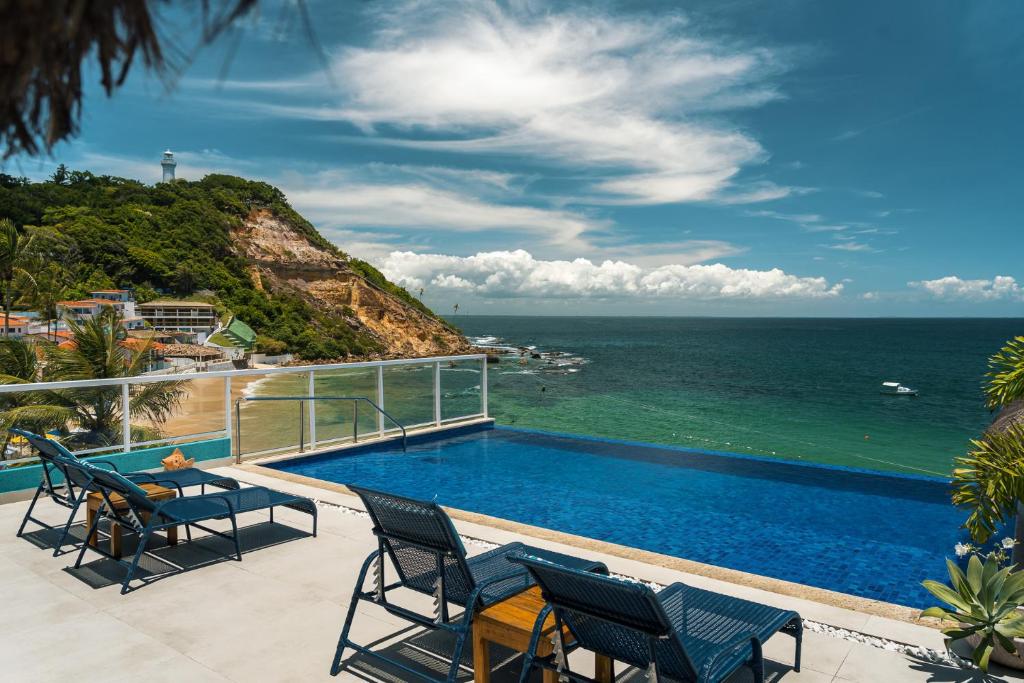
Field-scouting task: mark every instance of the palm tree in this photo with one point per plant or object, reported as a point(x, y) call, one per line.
point(20, 364)
point(989, 480)
point(96, 350)
point(48, 286)
point(12, 251)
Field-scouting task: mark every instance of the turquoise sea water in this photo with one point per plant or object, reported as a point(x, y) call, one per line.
point(806, 389)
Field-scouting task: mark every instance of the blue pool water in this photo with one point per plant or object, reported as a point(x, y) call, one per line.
point(869, 534)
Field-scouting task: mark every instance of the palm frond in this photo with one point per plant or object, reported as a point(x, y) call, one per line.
point(989, 481)
point(1006, 374)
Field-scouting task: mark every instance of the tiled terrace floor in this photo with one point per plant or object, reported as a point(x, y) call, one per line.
point(276, 615)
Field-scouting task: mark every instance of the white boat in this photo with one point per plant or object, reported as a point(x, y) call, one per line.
point(897, 389)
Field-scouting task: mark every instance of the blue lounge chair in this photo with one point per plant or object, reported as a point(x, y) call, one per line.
point(429, 558)
point(62, 491)
point(146, 516)
point(679, 634)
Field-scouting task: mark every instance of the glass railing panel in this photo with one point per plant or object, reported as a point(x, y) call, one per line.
point(334, 418)
point(269, 425)
point(409, 393)
point(460, 389)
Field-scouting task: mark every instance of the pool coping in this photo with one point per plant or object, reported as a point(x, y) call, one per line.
point(877, 608)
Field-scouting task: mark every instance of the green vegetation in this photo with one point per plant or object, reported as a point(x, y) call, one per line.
point(984, 603)
point(97, 351)
point(103, 232)
point(989, 481)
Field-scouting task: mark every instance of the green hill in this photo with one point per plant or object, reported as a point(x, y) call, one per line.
point(203, 239)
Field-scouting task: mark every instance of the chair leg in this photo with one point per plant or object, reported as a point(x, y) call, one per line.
point(460, 644)
point(88, 535)
point(757, 662)
point(531, 649)
point(188, 532)
point(799, 644)
point(234, 535)
point(314, 521)
point(143, 541)
point(71, 520)
point(271, 514)
point(350, 616)
point(31, 506)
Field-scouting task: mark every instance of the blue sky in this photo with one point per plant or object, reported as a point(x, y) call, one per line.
point(786, 157)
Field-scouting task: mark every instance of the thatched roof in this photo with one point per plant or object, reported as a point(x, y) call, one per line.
point(1012, 414)
point(190, 351)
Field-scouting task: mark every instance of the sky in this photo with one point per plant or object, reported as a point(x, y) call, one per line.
point(721, 157)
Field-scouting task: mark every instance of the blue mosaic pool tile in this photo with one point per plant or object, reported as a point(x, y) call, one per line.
point(869, 534)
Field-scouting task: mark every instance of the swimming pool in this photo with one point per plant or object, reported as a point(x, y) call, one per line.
point(870, 534)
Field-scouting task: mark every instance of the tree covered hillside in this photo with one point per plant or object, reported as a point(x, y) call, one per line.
point(87, 232)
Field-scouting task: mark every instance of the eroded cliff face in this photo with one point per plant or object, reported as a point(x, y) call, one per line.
point(282, 259)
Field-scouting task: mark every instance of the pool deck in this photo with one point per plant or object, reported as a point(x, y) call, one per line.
point(276, 615)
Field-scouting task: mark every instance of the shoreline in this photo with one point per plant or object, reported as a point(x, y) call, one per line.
point(202, 408)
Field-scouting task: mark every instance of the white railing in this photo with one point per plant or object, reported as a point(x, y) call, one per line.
point(125, 384)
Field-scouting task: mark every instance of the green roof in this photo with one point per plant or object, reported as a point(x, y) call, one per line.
point(236, 328)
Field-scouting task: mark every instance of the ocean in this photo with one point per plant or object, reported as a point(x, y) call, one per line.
point(805, 389)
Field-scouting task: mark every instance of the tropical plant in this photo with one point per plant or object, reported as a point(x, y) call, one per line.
point(47, 286)
point(45, 51)
point(1006, 374)
point(20, 364)
point(984, 603)
point(13, 246)
point(96, 350)
point(988, 482)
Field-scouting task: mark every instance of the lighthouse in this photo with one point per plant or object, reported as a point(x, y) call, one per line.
point(168, 163)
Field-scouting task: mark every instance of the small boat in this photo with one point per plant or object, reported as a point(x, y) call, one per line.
point(897, 389)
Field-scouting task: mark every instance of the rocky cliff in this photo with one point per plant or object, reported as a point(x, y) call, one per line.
point(228, 241)
point(282, 258)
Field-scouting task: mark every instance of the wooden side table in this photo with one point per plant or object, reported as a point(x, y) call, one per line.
point(95, 499)
point(510, 623)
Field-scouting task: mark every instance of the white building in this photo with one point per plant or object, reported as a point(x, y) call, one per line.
point(121, 300)
point(194, 317)
point(168, 165)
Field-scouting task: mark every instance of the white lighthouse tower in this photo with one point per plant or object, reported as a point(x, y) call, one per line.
point(168, 163)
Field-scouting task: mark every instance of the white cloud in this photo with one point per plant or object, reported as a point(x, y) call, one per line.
point(999, 288)
point(337, 198)
point(640, 98)
point(514, 274)
point(851, 245)
point(789, 217)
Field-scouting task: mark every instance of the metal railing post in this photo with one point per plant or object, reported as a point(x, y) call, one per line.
point(483, 388)
point(238, 431)
point(437, 394)
point(355, 421)
point(380, 400)
point(126, 418)
point(227, 410)
point(312, 411)
point(302, 427)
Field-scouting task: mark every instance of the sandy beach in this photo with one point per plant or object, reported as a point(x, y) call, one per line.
point(202, 410)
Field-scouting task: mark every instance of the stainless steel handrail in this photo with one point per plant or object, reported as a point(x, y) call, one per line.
point(302, 402)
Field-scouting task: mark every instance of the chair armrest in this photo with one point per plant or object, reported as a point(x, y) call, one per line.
point(108, 463)
point(481, 586)
point(729, 646)
point(151, 478)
